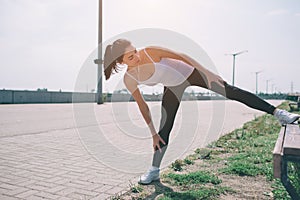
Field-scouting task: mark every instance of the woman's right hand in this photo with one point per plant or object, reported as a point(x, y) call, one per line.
point(156, 139)
point(214, 78)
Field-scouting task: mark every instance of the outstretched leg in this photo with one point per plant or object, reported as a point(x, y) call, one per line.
point(248, 99)
point(232, 92)
point(245, 97)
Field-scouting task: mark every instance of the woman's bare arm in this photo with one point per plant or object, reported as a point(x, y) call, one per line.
point(131, 85)
point(160, 52)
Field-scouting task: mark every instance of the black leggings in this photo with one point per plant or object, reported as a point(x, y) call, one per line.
point(172, 97)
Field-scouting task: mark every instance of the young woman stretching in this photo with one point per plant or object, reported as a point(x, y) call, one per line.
point(176, 71)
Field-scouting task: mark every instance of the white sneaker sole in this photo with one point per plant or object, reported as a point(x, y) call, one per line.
point(294, 119)
point(148, 182)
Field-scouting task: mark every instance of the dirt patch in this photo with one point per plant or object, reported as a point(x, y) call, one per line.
point(246, 187)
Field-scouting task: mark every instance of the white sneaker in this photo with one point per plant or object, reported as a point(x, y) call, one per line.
point(285, 117)
point(148, 177)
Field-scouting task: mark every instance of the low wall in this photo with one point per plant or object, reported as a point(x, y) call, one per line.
point(18, 97)
point(24, 96)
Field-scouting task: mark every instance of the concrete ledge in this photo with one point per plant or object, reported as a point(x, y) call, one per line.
point(24, 96)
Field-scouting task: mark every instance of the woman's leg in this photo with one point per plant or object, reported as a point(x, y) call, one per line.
point(248, 99)
point(170, 103)
point(232, 92)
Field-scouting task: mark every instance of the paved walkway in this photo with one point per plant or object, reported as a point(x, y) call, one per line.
point(89, 151)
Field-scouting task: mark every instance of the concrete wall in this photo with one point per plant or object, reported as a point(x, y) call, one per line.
point(18, 96)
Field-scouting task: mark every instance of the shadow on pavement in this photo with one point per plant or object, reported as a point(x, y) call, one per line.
point(159, 189)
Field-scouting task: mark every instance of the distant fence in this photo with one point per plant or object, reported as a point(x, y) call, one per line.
point(20, 97)
point(25, 96)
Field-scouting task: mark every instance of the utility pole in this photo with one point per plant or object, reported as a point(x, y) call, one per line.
point(256, 78)
point(267, 85)
point(99, 60)
point(233, 68)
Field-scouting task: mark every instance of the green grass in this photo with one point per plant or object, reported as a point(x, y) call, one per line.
point(198, 177)
point(178, 165)
point(201, 193)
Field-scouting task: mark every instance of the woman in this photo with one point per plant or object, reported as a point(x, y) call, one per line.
point(176, 71)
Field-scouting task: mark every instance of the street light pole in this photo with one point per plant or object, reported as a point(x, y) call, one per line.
point(256, 75)
point(233, 70)
point(99, 60)
point(267, 85)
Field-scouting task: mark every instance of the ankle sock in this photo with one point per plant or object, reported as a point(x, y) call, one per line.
point(153, 168)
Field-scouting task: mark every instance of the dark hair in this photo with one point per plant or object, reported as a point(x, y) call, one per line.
point(114, 54)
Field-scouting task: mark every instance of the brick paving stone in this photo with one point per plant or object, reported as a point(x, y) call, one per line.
point(55, 189)
point(101, 197)
point(4, 191)
point(66, 191)
point(46, 184)
point(43, 175)
point(84, 183)
point(47, 195)
point(26, 194)
point(8, 186)
point(69, 176)
point(25, 183)
point(16, 191)
point(38, 178)
point(76, 195)
point(4, 197)
point(86, 178)
point(60, 172)
point(35, 186)
point(54, 179)
point(115, 190)
point(103, 188)
point(17, 181)
point(3, 180)
point(33, 197)
point(63, 181)
point(64, 198)
point(92, 186)
point(86, 192)
point(21, 172)
point(74, 185)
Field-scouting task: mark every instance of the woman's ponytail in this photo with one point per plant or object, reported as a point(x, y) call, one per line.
point(109, 62)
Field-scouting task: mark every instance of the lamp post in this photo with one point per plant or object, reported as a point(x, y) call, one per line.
point(99, 60)
point(256, 78)
point(234, 55)
point(273, 88)
point(267, 85)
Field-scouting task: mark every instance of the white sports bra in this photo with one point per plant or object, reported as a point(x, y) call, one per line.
point(168, 71)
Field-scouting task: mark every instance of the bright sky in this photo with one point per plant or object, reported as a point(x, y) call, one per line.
point(43, 44)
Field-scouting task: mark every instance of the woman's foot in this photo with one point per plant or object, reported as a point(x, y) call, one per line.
point(285, 117)
point(151, 175)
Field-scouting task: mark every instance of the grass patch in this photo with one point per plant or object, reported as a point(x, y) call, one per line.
point(198, 177)
point(178, 165)
point(201, 193)
point(294, 175)
point(242, 168)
